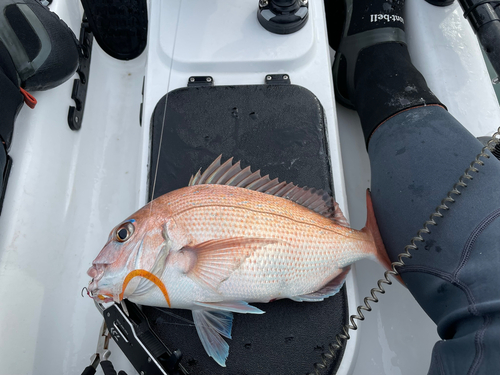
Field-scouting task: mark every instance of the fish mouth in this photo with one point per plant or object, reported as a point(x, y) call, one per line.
point(96, 272)
point(97, 294)
point(101, 291)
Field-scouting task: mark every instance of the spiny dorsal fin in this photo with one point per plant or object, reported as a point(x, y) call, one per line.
point(231, 174)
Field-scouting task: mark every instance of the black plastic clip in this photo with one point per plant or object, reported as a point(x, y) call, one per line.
point(79, 93)
point(4, 173)
point(200, 81)
point(278, 79)
point(139, 343)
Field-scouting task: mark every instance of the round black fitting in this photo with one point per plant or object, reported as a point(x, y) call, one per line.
point(283, 16)
point(440, 3)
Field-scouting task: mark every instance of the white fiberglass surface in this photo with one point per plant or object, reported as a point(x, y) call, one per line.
point(66, 191)
point(445, 49)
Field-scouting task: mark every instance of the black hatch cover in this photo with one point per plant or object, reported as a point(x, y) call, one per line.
point(279, 129)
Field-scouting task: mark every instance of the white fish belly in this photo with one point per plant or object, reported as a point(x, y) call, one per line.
point(277, 271)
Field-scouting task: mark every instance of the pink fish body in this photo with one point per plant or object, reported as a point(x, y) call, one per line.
point(213, 247)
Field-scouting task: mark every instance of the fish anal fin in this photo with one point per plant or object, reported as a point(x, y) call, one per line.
point(331, 288)
point(216, 260)
point(211, 326)
point(231, 174)
point(241, 307)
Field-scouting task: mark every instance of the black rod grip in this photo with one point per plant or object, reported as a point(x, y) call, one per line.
point(107, 368)
point(485, 22)
point(89, 370)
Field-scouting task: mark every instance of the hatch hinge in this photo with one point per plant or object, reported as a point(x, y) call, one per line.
point(79, 93)
point(277, 79)
point(199, 81)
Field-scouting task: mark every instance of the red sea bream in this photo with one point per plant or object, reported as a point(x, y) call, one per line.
point(228, 239)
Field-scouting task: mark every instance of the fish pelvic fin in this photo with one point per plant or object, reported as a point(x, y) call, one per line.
point(216, 260)
point(241, 307)
point(331, 288)
point(230, 174)
point(211, 326)
point(371, 228)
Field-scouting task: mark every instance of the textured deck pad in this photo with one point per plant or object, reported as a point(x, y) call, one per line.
point(279, 130)
point(119, 26)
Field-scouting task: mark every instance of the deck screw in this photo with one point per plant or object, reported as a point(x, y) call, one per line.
point(285, 76)
point(209, 79)
point(191, 79)
point(269, 78)
point(263, 3)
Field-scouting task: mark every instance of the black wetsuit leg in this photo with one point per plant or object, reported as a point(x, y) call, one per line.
point(416, 158)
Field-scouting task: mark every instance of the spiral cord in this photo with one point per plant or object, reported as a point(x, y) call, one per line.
point(341, 338)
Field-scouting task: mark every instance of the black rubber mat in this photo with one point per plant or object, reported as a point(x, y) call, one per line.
point(280, 130)
point(120, 27)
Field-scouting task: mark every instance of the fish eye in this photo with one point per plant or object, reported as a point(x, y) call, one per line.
point(124, 232)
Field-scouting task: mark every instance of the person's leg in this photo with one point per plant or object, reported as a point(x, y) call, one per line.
point(417, 153)
point(416, 158)
point(43, 48)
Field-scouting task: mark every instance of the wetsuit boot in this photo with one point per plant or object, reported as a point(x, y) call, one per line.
point(418, 152)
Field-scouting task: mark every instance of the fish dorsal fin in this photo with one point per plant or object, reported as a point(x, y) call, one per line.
point(231, 174)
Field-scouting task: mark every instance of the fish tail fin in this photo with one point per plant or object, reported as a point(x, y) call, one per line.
point(371, 228)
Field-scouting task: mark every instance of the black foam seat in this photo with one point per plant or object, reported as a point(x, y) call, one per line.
point(279, 129)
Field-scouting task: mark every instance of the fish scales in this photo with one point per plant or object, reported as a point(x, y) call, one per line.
point(310, 250)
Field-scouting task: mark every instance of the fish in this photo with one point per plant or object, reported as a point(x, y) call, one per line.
point(228, 239)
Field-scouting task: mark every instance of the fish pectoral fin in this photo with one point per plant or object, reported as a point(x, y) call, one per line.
point(234, 306)
point(328, 290)
point(210, 325)
point(216, 260)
